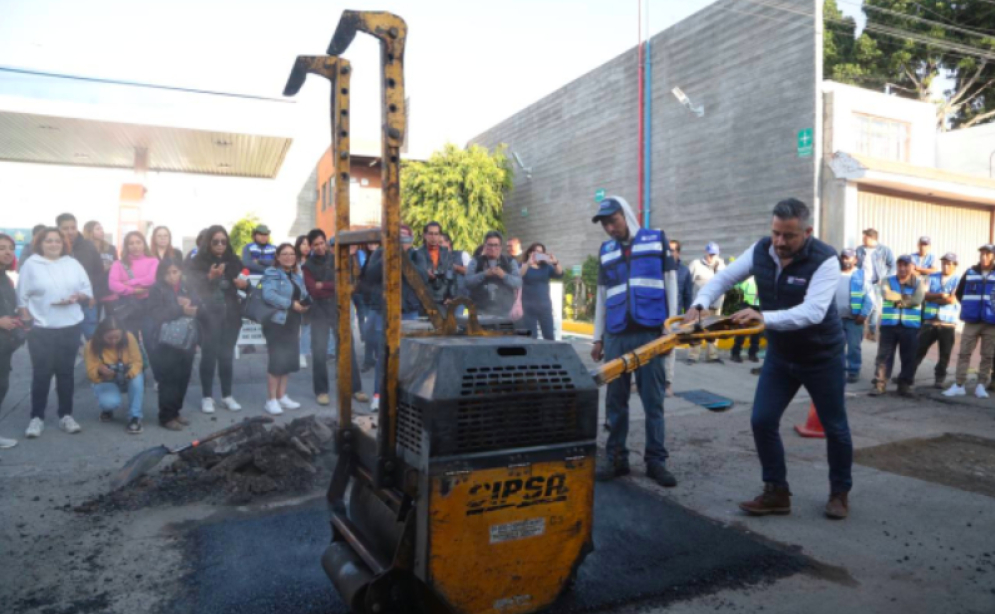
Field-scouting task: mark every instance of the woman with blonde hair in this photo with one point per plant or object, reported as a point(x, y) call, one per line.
point(93, 232)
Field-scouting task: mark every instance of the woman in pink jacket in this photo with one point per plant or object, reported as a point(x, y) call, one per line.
point(130, 279)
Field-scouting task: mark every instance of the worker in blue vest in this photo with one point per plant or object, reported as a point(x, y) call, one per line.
point(637, 288)
point(902, 296)
point(260, 254)
point(924, 261)
point(940, 314)
point(975, 292)
point(855, 303)
point(796, 276)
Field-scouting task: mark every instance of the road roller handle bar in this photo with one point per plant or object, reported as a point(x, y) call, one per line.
point(708, 329)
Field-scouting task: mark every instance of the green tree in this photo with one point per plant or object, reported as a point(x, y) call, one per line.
point(907, 44)
point(240, 234)
point(462, 189)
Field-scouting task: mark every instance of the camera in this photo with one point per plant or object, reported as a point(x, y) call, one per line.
point(120, 370)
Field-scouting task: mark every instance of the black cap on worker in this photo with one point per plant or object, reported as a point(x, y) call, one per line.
point(949, 257)
point(608, 207)
point(987, 248)
point(905, 258)
point(848, 253)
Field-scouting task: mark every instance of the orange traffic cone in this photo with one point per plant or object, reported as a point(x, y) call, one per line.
point(812, 426)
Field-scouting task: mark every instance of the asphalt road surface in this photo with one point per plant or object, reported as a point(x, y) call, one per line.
point(647, 550)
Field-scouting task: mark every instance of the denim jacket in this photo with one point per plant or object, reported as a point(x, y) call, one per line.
point(278, 291)
point(882, 261)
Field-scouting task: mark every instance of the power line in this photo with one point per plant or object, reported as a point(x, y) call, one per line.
point(937, 24)
point(969, 50)
point(24, 71)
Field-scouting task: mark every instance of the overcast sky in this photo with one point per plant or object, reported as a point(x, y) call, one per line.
point(470, 64)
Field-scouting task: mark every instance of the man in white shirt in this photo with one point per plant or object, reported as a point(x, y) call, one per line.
point(702, 271)
point(797, 276)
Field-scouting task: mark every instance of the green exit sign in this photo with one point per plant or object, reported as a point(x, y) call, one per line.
point(599, 195)
point(806, 143)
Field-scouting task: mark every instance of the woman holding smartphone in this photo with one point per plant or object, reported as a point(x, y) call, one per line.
point(214, 276)
point(538, 268)
point(50, 290)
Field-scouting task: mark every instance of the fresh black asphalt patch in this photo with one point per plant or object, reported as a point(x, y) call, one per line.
point(647, 550)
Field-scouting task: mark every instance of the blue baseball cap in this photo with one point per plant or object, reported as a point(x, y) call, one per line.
point(905, 258)
point(608, 206)
point(712, 248)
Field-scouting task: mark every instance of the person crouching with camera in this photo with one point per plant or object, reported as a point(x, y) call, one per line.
point(283, 289)
point(114, 366)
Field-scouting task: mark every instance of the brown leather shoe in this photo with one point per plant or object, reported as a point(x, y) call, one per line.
point(838, 507)
point(907, 391)
point(323, 399)
point(182, 420)
point(877, 390)
point(774, 500)
point(173, 425)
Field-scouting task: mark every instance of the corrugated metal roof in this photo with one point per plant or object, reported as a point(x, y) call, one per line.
point(70, 141)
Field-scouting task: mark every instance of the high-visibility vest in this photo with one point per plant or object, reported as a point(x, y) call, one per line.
point(749, 289)
point(893, 315)
point(634, 289)
point(857, 294)
point(934, 311)
point(976, 304)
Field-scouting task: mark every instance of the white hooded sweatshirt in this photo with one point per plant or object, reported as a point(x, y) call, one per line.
point(43, 283)
point(670, 279)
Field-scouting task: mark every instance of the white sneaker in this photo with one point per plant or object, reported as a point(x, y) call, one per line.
point(273, 407)
point(980, 392)
point(207, 405)
point(954, 391)
point(375, 403)
point(303, 361)
point(35, 427)
point(7, 443)
point(231, 404)
point(288, 403)
point(69, 425)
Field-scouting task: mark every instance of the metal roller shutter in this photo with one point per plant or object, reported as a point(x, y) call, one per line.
point(901, 220)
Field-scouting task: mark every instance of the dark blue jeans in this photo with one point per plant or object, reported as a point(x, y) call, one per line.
point(779, 381)
point(854, 334)
point(539, 317)
point(650, 381)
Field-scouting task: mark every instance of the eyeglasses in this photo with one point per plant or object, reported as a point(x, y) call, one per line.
point(219, 242)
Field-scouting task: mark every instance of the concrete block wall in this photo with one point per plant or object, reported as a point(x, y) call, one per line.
point(753, 67)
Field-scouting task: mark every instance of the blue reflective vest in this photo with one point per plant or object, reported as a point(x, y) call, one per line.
point(857, 295)
point(934, 311)
point(634, 289)
point(925, 262)
point(893, 315)
point(976, 304)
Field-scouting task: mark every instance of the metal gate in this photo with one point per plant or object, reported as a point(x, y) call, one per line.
point(901, 220)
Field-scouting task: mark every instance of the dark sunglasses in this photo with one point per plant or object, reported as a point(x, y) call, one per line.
point(219, 242)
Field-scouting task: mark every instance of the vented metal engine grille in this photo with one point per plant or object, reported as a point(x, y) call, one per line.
point(409, 426)
point(515, 378)
point(516, 406)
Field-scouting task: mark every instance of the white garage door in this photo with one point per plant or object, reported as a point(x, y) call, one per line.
point(900, 221)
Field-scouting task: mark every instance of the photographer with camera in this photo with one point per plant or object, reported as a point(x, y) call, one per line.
point(438, 263)
point(283, 289)
point(114, 366)
point(537, 269)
